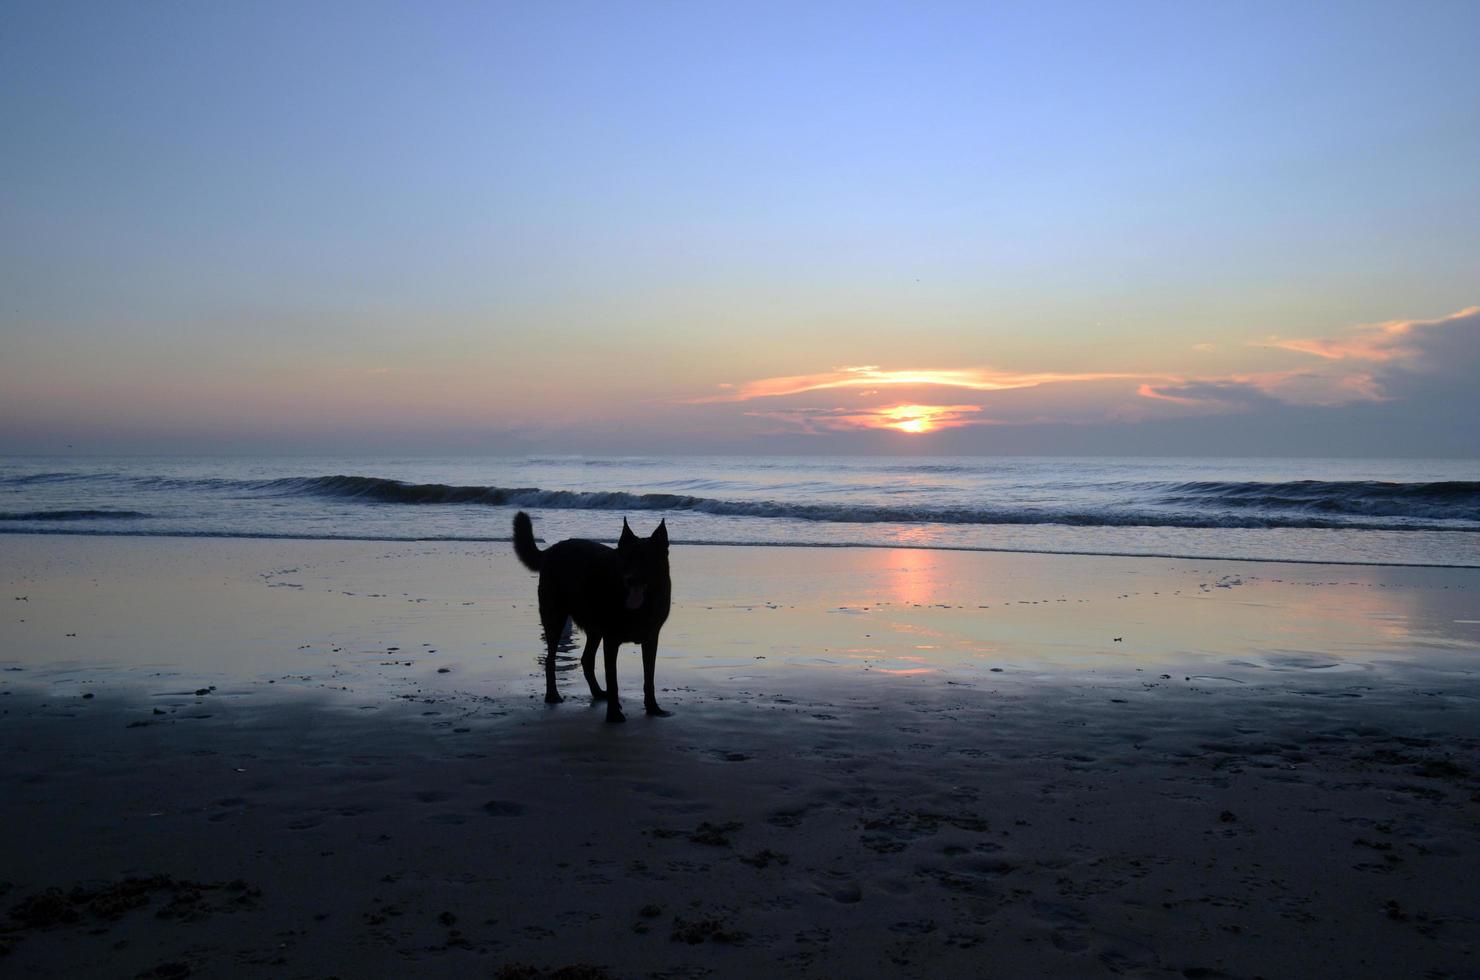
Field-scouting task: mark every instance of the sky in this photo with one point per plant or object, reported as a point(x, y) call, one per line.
point(1039, 228)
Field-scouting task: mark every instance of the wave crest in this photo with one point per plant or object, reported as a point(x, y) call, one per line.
point(1315, 504)
point(1448, 500)
point(378, 490)
point(71, 515)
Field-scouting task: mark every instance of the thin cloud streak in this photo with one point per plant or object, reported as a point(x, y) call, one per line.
point(870, 376)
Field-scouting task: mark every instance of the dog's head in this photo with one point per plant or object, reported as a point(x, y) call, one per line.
point(644, 562)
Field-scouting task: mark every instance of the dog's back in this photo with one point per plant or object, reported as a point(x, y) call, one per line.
point(585, 578)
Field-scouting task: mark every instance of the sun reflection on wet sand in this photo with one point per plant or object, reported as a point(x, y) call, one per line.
point(911, 577)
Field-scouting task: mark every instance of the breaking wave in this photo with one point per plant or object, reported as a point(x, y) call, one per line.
point(1447, 500)
point(1303, 504)
point(1352, 505)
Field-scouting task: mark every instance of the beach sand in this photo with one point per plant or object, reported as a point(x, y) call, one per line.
point(311, 759)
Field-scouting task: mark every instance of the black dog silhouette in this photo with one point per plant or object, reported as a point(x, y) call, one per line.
point(615, 595)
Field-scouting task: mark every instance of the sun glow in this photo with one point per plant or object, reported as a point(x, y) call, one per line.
point(872, 377)
point(919, 419)
point(911, 419)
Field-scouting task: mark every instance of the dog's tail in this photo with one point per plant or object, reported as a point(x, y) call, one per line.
point(524, 546)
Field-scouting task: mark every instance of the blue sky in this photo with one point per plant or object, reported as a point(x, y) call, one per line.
point(492, 226)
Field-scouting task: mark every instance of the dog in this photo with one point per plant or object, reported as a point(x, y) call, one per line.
point(615, 595)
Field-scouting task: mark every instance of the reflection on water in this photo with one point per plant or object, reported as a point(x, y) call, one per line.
point(952, 612)
point(566, 647)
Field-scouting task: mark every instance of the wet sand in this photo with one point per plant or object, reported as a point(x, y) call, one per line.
point(313, 759)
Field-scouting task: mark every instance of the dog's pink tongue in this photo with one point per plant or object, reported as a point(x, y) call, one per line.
point(634, 596)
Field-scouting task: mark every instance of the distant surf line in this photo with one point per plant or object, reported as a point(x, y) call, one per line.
point(1202, 505)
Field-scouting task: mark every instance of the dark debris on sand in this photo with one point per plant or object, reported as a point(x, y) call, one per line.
point(707, 930)
point(893, 831)
point(712, 834)
point(574, 971)
point(185, 901)
point(763, 858)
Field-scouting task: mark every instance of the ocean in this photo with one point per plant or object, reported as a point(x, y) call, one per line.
point(1370, 511)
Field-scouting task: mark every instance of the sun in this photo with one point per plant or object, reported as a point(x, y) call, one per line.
point(919, 419)
point(912, 420)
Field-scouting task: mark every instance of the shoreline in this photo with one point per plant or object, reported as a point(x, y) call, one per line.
point(965, 549)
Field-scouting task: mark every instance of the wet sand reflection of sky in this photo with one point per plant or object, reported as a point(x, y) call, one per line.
point(444, 615)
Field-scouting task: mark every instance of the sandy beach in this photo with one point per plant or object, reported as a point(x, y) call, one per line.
point(310, 759)
point(1059, 419)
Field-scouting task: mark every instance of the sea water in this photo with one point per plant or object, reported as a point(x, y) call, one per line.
point(1380, 511)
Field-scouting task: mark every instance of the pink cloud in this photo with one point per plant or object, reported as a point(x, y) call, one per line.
point(871, 376)
point(1159, 393)
point(1378, 342)
point(1368, 364)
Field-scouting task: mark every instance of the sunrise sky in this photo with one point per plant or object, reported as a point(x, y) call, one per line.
point(1242, 229)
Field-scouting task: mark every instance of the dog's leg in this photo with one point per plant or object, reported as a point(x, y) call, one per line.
point(554, 623)
point(613, 706)
point(588, 664)
point(649, 661)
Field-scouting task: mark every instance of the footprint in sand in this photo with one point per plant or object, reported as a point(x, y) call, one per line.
point(1067, 923)
point(844, 892)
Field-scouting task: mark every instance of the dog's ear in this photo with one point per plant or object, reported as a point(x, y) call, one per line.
point(628, 539)
point(660, 536)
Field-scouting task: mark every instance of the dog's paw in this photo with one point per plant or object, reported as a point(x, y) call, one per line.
point(552, 698)
point(615, 717)
point(656, 712)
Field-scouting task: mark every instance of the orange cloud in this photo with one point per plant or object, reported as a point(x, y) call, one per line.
point(1367, 364)
point(871, 376)
point(1149, 390)
point(919, 418)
